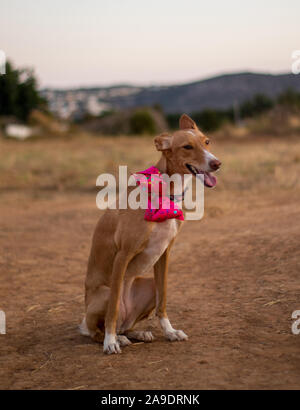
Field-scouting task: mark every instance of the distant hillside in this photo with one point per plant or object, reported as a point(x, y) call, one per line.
point(219, 92)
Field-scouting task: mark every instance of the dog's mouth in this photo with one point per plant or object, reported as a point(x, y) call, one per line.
point(209, 180)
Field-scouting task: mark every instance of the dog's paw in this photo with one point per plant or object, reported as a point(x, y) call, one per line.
point(141, 335)
point(123, 340)
point(147, 337)
point(112, 348)
point(111, 345)
point(176, 335)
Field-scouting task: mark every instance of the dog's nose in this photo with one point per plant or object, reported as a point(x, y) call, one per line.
point(215, 164)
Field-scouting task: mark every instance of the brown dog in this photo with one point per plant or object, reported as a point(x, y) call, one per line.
point(125, 247)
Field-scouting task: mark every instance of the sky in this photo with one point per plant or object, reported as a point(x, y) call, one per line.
point(74, 43)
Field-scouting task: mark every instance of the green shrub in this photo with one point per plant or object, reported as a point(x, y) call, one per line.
point(289, 98)
point(211, 120)
point(257, 105)
point(207, 120)
point(142, 122)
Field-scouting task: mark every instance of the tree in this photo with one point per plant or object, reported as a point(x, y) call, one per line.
point(9, 91)
point(18, 93)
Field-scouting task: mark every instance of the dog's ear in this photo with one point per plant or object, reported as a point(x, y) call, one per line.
point(186, 123)
point(163, 142)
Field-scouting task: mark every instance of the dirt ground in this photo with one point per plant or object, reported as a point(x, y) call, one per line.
point(233, 285)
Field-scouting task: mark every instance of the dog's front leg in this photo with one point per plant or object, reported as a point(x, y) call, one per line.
point(111, 344)
point(160, 275)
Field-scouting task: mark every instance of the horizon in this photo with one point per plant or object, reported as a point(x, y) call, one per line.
point(117, 85)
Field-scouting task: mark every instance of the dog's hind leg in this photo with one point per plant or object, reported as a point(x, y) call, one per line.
point(142, 335)
point(123, 340)
point(93, 323)
point(141, 305)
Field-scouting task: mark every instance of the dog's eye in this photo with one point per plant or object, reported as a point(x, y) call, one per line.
point(206, 142)
point(188, 147)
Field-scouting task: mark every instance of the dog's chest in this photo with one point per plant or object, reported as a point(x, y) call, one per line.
point(161, 236)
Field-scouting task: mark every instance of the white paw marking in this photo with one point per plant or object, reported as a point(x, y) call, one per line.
point(123, 340)
point(147, 337)
point(176, 335)
point(141, 335)
point(111, 345)
point(170, 333)
point(83, 329)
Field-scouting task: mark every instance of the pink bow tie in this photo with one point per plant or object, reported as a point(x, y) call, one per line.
point(164, 207)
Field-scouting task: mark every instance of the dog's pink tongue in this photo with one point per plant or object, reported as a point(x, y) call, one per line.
point(209, 180)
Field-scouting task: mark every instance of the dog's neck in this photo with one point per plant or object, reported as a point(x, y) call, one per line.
point(164, 166)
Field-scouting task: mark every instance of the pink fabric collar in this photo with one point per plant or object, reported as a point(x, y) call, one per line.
point(164, 206)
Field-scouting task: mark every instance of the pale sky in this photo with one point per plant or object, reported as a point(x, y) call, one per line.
point(103, 42)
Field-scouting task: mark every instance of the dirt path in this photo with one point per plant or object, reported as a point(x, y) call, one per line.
point(233, 285)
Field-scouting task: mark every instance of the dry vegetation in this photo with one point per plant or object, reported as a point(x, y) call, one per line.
point(253, 168)
point(233, 282)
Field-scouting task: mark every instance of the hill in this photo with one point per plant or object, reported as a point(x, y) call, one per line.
point(219, 92)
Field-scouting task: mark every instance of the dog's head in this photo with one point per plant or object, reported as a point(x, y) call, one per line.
point(187, 151)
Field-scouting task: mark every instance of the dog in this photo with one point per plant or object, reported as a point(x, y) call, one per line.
point(125, 246)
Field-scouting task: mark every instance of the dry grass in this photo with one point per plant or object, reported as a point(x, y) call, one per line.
point(253, 169)
point(72, 163)
point(76, 162)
